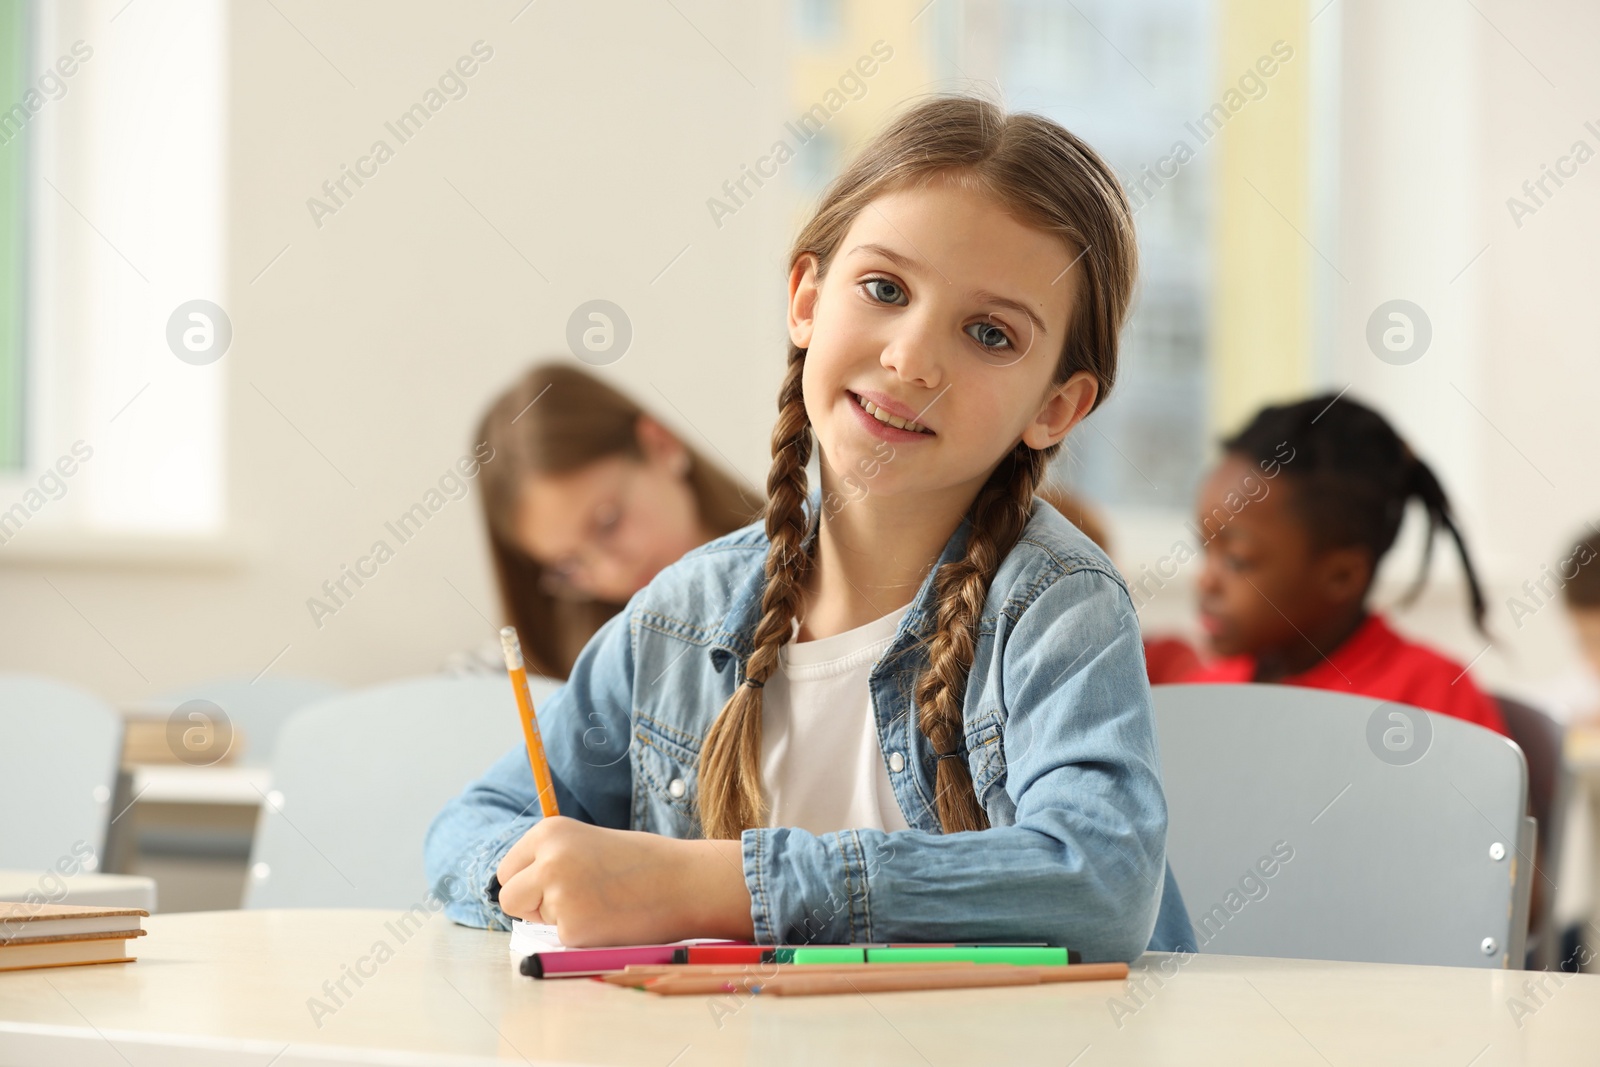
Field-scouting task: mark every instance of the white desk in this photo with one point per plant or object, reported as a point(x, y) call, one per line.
point(164, 783)
point(106, 890)
point(233, 988)
point(163, 806)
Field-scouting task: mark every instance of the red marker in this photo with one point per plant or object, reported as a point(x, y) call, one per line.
point(719, 954)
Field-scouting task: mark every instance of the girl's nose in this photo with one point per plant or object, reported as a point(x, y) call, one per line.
point(913, 352)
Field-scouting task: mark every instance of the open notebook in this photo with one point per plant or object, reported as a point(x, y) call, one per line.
point(530, 938)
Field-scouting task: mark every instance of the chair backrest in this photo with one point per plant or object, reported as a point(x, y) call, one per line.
point(1320, 825)
point(358, 778)
point(256, 707)
point(60, 749)
point(1543, 742)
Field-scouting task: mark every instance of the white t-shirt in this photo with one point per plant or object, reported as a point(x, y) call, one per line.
point(821, 764)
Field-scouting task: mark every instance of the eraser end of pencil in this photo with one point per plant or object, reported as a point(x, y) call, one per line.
point(511, 647)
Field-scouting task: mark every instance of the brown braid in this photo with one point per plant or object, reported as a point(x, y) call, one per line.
point(998, 515)
point(730, 762)
point(1050, 178)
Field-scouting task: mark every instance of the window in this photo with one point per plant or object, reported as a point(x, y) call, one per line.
point(1126, 75)
point(14, 64)
point(817, 21)
point(116, 165)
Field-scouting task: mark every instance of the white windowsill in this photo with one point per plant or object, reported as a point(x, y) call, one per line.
point(218, 553)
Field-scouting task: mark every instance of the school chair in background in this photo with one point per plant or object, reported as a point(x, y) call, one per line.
point(1542, 741)
point(1319, 825)
point(59, 751)
point(357, 779)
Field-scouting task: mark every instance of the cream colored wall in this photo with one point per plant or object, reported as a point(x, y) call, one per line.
point(591, 141)
point(1541, 354)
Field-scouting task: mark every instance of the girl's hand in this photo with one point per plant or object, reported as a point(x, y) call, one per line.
point(599, 886)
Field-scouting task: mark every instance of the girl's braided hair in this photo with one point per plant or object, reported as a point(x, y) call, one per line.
point(1047, 178)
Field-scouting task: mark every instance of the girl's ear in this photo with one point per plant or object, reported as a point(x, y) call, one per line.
point(803, 283)
point(1343, 575)
point(657, 442)
point(1064, 408)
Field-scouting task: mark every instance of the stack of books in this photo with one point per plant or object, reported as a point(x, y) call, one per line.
point(66, 935)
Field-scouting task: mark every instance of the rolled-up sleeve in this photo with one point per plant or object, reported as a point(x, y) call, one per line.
point(585, 726)
point(1082, 861)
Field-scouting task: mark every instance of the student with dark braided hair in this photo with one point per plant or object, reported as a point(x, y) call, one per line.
point(909, 705)
point(1289, 561)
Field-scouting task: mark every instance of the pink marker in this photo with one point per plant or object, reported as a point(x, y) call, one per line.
point(583, 962)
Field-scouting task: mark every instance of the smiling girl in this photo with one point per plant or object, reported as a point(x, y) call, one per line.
point(908, 708)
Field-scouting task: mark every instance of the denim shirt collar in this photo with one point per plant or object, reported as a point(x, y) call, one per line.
point(736, 639)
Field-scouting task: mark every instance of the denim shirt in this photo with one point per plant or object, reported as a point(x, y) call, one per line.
point(1058, 734)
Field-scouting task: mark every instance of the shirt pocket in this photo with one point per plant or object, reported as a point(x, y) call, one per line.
point(986, 759)
point(665, 779)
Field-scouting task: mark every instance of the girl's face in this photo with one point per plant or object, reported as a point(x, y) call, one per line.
point(1264, 586)
point(1586, 625)
point(941, 309)
point(604, 530)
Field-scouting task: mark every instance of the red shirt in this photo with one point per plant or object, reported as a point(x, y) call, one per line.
point(1377, 662)
point(1169, 659)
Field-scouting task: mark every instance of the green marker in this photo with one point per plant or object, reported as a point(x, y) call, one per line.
point(1025, 956)
point(821, 954)
point(1020, 956)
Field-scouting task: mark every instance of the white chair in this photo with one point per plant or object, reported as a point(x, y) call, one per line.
point(59, 752)
point(1543, 743)
point(358, 778)
point(1405, 831)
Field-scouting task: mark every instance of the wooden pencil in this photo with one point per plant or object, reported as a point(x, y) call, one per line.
point(880, 979)
point(639, 974)
point(869, 980)
point(537, 761)
point(858, 982)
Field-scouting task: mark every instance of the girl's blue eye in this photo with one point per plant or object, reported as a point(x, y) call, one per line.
point(988, 335)
point(884, 291)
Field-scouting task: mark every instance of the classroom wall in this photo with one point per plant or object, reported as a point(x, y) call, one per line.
point(1543, 372)
point(585, 150)
point(1448, 109)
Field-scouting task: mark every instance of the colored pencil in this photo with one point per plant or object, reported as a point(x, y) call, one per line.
point(640, 975)
point(897, 979)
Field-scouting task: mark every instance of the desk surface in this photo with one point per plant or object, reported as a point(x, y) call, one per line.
point(237, 987)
